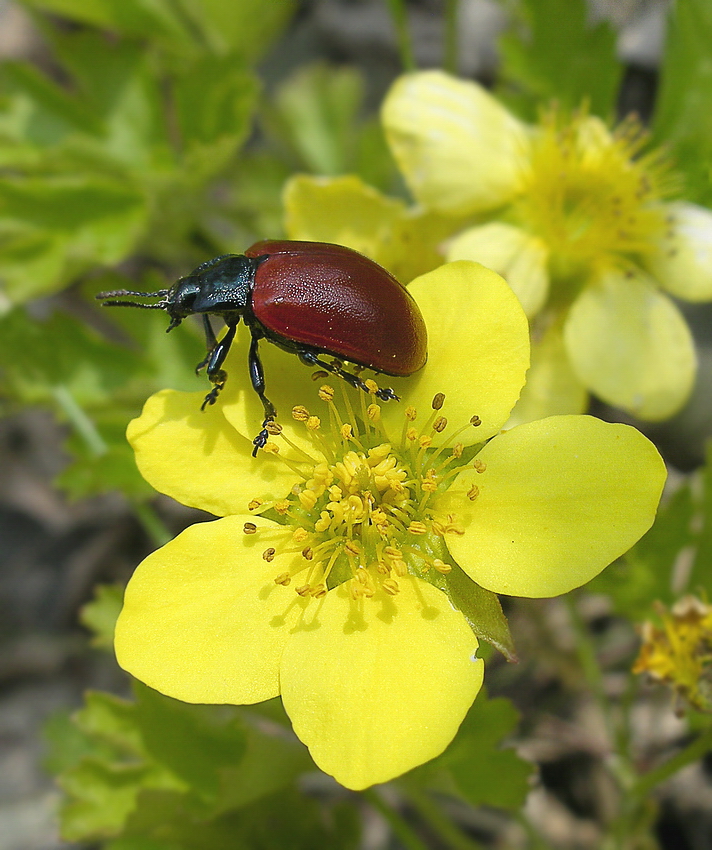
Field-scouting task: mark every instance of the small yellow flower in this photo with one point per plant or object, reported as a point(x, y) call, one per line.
point(329, 579)
point(680, 653)
point(575, 218)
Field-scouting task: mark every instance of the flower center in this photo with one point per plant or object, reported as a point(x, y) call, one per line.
point(364, 505)
point(589, 195)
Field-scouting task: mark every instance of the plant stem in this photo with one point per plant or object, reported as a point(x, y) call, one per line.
point(78, 419)
point(692, 753)
point(439, 823)
point(398, 824)
point(153, 525)
point(450, 57)
point(405, 45)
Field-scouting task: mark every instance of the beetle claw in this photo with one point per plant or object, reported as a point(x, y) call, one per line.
point(260, 440)
point(386, 394)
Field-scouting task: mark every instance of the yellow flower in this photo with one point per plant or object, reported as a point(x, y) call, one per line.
point(575, 219)
point(680, 653)
point(331, 577)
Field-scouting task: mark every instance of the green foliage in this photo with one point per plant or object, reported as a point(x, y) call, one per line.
point(558, 55)
point(121, 158)
point(100, 614)
point(475, 767)
point(683, 114)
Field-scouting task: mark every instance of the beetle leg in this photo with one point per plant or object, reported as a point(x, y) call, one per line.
point(311, 359)
point(211, 343)
point(257, 376)
point(216, 358)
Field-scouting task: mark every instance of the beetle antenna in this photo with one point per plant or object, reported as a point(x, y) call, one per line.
point(117, 292)
point(111, 303)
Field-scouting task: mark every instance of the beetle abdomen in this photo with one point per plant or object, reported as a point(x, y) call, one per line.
point(336, 300)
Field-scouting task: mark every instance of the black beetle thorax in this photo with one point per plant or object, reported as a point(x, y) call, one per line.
point(222, 287)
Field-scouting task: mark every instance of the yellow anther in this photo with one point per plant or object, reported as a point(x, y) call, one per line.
point(283, 578)
point(319, 591)
point(473, 492)
point(273, 427)
point(313, 423)
point(300, 413)
point(308, 553)
point(307, 499)
point(304, 590)
point(475, 420)
point(353, 547)
point(335, 493)
point(249, 528)
point(361, 575)
point(441, 566)
point(383, 568)
point(440, 424)
point(299, 535)
point(400, 568)
point(268, 554)
point(282, 506)
point(457, 450)
point(429, 486)
point(417, 527)
point(411, 413)
point(254, 504)
point(347, 431)
point(479, 465)
point(390, 585)
point(373, 411)
point(425, 442)
point(411, 434)
point(323, 523)
point(326, 392)
point(371, 386)
point(392, 552)
point(438, 401)
point(271, 448)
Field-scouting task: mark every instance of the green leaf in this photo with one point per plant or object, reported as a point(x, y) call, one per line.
point(245, 28)
point(700, 579)
point(100, 614)
point(194, 741)
point(214, 97)
point(108, 718)
point(475, 767)
point(482, 610)
point(683, 113)
point(560, 57)
point(68, 744)
point(101, 796)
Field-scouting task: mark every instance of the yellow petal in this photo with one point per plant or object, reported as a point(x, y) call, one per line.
point(552, 388)
point(682, 260)
point(558, 501)
point(521, 259)
point(347, 211)
point(459, 150)
point(630, 346)
point(377, 687)
point(203, 620)
point(198, 458)
point(478, 350)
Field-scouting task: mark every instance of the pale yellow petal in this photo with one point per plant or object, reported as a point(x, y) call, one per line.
point(552, 388)
point(203, 620)
point(520, 258)
point(459, 150)
point(681, 260)
point(198, 458)
point(559, 500)
point(377, 687)
point(630, 345)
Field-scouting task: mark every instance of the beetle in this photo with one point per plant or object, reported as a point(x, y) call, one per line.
point(309, 298)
